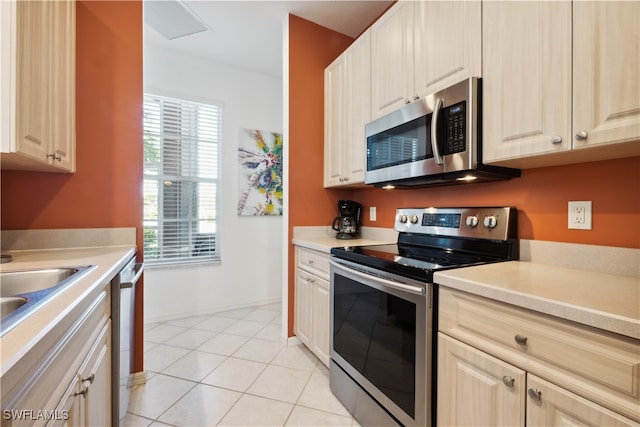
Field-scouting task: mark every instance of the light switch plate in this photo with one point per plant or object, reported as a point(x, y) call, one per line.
point(372, 213)
point(580, 215)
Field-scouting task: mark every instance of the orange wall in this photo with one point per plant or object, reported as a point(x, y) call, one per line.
point(311, 49)
point(106, 189)
point(541, 196)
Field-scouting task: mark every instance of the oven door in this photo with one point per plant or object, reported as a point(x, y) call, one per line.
point(381, 329)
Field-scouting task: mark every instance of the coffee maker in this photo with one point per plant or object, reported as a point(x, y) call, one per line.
point(348, 223)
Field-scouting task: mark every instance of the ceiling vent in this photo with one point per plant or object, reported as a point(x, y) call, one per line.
point(172, 19)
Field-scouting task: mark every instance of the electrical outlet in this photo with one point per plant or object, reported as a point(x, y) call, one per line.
point(580, 215)
point(372, 213)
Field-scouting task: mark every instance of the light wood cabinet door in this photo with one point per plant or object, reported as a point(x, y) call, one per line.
point(477, 389)
point(320, 345)
point(358, 110)
point(444, 57)
point(526, 79)
point(43, 69)
point(606, 72)
point(335, 122)
point(550, 405)
point(392, 64)
point(304, 305)
point(95, 380)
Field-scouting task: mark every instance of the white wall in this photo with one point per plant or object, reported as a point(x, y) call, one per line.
point(251, 247)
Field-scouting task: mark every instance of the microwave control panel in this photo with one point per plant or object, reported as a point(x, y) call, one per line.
point(456, 129)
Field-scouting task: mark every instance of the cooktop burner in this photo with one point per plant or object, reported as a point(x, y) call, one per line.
point(437, 239)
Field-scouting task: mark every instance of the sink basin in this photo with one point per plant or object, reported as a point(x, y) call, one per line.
point(23, 291)
point(10, 304)
point(26, 281)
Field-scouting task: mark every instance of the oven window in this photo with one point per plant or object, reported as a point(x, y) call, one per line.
point(406, 143)
point(375, 332)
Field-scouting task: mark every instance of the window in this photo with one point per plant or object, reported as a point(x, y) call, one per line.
point(181, 146)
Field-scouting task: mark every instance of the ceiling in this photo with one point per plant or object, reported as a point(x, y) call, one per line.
point(249, 34)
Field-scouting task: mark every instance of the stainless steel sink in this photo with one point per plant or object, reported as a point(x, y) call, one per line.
point(26, 281)
point(10, 304)
point(23, 291)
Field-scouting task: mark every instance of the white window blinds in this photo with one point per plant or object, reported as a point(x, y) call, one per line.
point(181, 173)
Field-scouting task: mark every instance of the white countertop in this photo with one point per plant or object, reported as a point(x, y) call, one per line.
point(323, 238)
point(24, 336)
point(605, 301)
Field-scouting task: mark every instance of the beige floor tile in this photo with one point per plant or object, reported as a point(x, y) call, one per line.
point(271, 332)
point(203, 405)
point(297, 357)
point(301, 417)
point(195, 365)
point(131, 420)
point(235, 374)
point(318, 395)
point(257, 411)
point(157, 395)
point(161, 356)
point(236, 314)
point(162, 332)
point(259, 350)
point(262, 315)
point(224, 344)
point(245, 328)
point(279, 383)
point(215, 324)
point(191, 338)
point(188, 322)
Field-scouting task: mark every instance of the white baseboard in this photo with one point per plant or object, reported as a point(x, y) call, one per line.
point(137, 378)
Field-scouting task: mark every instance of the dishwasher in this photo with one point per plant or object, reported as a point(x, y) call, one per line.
point(123, 291)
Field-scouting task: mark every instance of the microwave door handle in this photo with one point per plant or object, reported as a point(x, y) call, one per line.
point(434, 132)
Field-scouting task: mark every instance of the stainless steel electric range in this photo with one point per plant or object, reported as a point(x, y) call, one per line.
point(384, 308)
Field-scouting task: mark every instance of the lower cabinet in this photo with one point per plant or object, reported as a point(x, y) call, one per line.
point(501, 365)
point(475, 388)
point(311, 317)
point(65, 380)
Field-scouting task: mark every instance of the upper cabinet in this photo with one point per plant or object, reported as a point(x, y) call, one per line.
point(38, 85)
point(347, 111)
point(448, 43)
point(418, 48)
point(561, 82)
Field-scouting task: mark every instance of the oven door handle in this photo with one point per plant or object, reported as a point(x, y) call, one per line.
point(418, 290)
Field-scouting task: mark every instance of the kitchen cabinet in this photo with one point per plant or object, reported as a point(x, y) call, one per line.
point(532, 369)
point(418, 48)
point(38, 86)
point(311, 318)
point(561, 82)
point(347, 111)
point(69, 380)
point(448, 43)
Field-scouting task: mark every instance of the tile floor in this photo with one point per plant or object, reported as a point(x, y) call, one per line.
point(231, 369)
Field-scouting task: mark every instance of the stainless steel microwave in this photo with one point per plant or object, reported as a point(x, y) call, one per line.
point(435, 140)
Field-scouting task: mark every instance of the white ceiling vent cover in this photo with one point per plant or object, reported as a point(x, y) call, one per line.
point(172, 19)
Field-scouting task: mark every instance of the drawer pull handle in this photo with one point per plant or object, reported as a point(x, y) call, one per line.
point(310, 261)
point(83, 393)
point(535, 394)
point(521, 339)
point(508, 381)
point(90, 378)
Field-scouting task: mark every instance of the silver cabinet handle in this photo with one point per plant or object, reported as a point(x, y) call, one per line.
point(581, 135)
point(55, 156)
point(535, 394)
point(434, 132)
point(310, 280)
point(521, 339)
point(416, 97)
point(508, 380)
point(83, 393)
point(407, 101)
point(556, 140)
point(90, 378)
point(310, 261)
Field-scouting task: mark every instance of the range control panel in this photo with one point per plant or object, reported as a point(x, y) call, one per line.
point(496, 223)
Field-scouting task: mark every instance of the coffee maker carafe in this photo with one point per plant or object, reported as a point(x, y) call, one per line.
point(347, 224)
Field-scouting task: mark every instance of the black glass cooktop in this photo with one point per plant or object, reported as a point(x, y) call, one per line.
point(420, 262)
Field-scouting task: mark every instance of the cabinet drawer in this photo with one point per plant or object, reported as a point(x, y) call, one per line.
point(598, 365)
point(313, 261)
